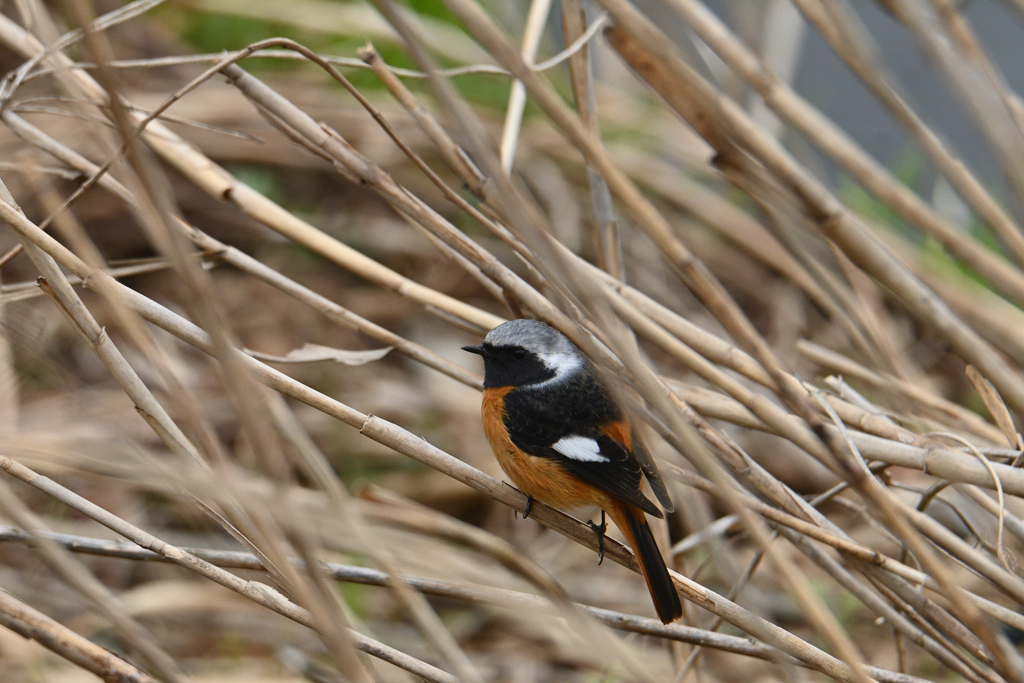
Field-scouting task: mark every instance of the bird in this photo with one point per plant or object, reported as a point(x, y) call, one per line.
point(559, 435)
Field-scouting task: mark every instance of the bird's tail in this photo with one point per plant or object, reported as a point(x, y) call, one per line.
point(638, 534)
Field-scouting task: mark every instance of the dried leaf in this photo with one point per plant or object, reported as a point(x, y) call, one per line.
point(312, 353)
point(996, 407)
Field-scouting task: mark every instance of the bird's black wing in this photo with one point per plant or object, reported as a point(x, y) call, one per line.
point(606, 465)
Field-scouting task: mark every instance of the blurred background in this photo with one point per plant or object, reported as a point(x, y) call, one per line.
point(340, 264)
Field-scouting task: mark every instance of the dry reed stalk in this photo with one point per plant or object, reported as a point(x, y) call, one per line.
point(220, 184)
point(948, 411)
point(606, 235)
point(402, 441)
point(816, 195)
point(691, 447)
point(842, 29)
point(407, 204)
point(257, 592)
point(30, 623)
point(836, 143)
point(293, 584)
point(154, 211)
point(847, 231)
point(709, 207)
point(216, 249)
point(948, 40)
point(536, 17)
point(64, 564)
point(845, 431)
point(419, 610)
point(468, 592)
point(56, 285)
point(651, 387)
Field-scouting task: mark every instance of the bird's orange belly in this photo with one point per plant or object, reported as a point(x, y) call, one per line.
point(542, 478)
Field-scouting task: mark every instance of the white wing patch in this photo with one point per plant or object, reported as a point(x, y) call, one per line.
point(580, 448)
point(562, 364)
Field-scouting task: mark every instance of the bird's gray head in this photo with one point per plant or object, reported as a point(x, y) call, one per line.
point(527, 353)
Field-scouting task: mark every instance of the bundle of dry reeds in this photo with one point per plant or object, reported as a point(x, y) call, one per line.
point(234, 286)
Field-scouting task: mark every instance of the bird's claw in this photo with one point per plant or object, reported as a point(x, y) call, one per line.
point(599, 529)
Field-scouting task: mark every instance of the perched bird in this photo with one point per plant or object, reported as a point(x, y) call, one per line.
point(559, 436)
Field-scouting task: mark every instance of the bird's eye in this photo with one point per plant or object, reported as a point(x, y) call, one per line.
point(519, 354)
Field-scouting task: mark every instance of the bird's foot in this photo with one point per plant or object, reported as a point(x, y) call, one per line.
point(529, 505)
point(599, 529)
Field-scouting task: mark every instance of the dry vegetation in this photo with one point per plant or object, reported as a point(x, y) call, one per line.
point(830, 396)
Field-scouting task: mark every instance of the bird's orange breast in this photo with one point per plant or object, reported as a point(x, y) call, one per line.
point(540, 477)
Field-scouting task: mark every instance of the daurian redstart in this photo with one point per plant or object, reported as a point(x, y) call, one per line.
point(559, 436)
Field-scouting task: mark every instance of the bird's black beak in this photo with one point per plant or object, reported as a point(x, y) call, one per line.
point(478, 350)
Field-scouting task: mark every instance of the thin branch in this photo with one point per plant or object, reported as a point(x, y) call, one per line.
point(448, 589)
point(30, 623)
point(536, 18)
point(257, 592)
